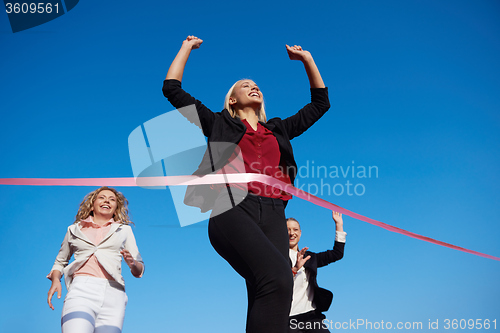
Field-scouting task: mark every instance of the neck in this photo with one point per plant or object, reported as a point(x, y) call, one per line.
point(250, 114)
point(101, 219)
point(295, 247)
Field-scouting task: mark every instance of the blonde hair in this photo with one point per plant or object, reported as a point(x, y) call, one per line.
point(232, 112)
point(87, 205)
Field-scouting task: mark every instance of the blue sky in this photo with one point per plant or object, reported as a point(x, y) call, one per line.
point(414, 88)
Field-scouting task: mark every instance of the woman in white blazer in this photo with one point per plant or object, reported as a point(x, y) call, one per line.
point(98, 239)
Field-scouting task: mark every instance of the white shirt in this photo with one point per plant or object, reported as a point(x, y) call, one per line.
point(303, 294)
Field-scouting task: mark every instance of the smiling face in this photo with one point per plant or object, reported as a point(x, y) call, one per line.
point(105, 204)
point(246, 94)
point(294, 234)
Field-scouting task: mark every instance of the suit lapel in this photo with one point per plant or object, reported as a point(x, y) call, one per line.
point(77, 232)
point(269, 126)
point(112, 230)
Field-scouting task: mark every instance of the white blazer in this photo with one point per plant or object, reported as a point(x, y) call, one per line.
point(107, 252)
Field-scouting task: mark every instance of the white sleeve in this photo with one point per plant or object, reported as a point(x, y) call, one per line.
point(131, 246)
point(340, 236)
point(63, 256)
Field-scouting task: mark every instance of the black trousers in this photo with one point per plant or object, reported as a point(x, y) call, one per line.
point(253, 238)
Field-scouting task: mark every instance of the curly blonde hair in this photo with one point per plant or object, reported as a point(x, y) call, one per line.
point(87, 205)
point(232, 112)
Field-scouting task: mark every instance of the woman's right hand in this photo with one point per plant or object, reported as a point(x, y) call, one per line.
point(55, 287)
point(192, 42)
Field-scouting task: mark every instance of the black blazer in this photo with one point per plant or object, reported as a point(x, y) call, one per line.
point(322, 297)
point(224, 132)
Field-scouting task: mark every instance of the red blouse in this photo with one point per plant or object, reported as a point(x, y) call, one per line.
point(261, 154)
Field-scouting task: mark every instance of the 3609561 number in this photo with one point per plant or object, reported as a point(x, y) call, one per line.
point(469, 324)
point(31, 8)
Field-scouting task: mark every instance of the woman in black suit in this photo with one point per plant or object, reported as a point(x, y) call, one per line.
point(309, 300)
point(247, 226)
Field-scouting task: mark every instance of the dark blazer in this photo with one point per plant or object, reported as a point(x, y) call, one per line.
point(224, 132)
point(322, 297)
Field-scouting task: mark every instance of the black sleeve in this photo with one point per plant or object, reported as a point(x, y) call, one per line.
point(298, 123)
point(203, 118)
point(329, 256)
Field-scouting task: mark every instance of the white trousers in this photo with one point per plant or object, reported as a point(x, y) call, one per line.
point(93, 305)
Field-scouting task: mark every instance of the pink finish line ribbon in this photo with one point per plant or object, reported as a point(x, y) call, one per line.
point(223, 179)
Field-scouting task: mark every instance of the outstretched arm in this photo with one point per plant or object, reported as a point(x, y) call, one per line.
point(177, 67)
point(297, 53)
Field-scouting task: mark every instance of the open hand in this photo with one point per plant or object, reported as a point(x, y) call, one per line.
point(300, 259)
point(337, 217)
point(55, 287)
point(128, 258)
point(297, 53)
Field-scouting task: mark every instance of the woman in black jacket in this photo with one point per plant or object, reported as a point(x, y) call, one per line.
point(309, 300)
point(247, 226)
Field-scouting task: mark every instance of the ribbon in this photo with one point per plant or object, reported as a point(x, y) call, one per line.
point(222, 179)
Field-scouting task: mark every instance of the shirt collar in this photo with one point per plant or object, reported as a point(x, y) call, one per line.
point(89, 222)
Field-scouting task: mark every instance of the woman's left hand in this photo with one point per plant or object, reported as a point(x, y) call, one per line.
point(297, 53)
point(300, 259)
point(136, 267)
point(128, 258)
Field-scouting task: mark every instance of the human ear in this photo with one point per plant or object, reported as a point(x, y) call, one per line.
point(232, 100)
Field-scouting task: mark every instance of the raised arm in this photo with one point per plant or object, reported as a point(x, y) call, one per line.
point(298, 123)
point(177, 67)
point(327, 257)
point(339, 222)
point(297, 53)
point(202, 116)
